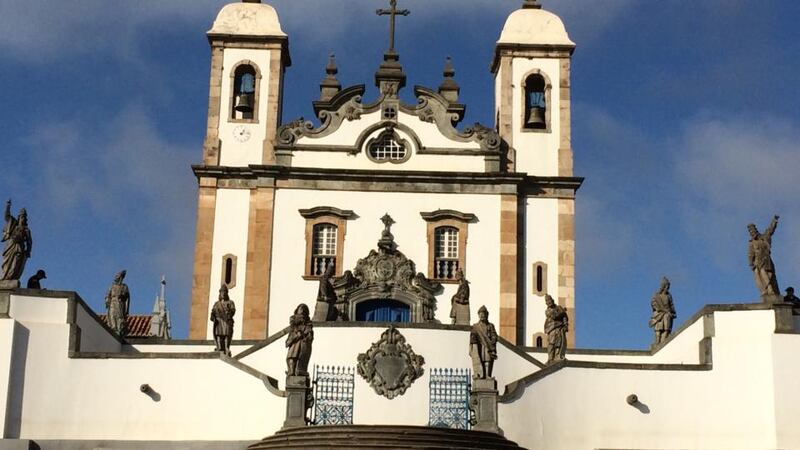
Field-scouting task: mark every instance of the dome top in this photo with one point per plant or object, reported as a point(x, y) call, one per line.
point(534, 26)
point(247, 18)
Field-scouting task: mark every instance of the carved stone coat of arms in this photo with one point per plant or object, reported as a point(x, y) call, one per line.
point(390, 366)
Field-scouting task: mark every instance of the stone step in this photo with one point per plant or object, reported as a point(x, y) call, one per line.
point(383, 437)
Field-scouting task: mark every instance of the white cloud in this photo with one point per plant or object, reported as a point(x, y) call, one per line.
point(43, 30)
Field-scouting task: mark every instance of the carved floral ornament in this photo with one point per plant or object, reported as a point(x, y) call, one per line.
point(390, 365)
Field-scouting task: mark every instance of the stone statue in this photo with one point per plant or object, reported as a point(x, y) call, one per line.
point(790, 297)
point(459, 304)
point(663, 312)
point(325, 310)
point(35, 282)
point(298, 341)
point(118, 300)
point(17, 237)
point(483, 346)
point(222, 315)
point(426, 289)
point(759, 255)
point(556, 326)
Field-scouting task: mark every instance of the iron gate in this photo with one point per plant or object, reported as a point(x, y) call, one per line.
point(449, 398)
point(333, 395)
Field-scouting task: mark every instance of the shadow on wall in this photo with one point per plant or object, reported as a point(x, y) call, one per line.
point(16, 381)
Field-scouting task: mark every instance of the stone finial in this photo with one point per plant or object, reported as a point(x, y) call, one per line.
point(330, 86)
point(449, 88)
point(531, 4)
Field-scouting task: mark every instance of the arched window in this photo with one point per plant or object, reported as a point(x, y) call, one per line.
point(244, 92)
point(445, 258)
point(323, 248)
point(539, 341)
point(536, 103)
point(387, 148)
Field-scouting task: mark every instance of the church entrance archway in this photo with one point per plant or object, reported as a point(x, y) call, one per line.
point(383, 310)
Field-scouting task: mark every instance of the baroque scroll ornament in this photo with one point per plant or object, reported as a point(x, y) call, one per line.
point(390, 366)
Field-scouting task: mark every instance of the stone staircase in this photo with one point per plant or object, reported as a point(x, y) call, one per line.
point(383, 437)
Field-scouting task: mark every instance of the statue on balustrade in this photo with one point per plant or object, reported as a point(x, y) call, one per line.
point(759, 255)
point(17, 237)
point(459, 304)
point(118, 302)
point(663, 312)
point(556, 325)
point(483, 345)
point(298, 341)
point(222, 316)
point(325, 310)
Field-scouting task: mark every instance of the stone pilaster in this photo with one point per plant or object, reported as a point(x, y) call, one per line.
point(259, 262)
point(201, 279)
point(508, 266)
point(506, 118)
point(566, 263)
point(211, 144)
point(565, 120)
point(297, 394)
point(483, 399)
point(274, 100)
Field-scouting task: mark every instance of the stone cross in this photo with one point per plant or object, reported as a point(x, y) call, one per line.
point(392, 13)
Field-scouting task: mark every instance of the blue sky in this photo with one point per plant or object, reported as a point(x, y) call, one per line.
point(685, 124)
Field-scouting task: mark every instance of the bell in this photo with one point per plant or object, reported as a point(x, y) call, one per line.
point(244, 103)
point(536, 118)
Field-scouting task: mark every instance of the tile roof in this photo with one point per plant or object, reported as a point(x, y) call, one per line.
point(138, 325)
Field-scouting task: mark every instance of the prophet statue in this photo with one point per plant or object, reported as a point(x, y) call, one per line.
point(663, 312)
point(759, 255)
point(483, 345)
point(556, 325)
point(17, 250)
point(222, 315)
point(118, 300)
point(298, 341)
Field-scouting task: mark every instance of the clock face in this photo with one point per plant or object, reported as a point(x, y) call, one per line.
point(241, 133)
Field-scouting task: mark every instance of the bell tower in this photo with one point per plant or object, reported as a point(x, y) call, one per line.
point(249, 54)
point(531, 67)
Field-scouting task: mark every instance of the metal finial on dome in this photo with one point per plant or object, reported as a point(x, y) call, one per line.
point(531, 4)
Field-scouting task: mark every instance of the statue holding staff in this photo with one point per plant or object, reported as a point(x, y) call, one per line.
point(483, 345)
point(759, 255)
point(17, 237)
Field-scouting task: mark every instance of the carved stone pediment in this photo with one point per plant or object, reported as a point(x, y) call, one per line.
point(387, 273)
point(390, 365)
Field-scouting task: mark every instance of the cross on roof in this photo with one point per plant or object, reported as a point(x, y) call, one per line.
point(392, 13)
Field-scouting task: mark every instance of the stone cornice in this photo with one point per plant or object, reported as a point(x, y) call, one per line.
point(327, 211)
point(260, 42)
point(529, 51)
point(388, 180)
point(440, 214)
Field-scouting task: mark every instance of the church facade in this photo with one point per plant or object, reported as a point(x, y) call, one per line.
point(279, 202)
point(372, 214)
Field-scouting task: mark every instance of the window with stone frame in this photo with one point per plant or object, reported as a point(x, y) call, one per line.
point(325, 233)
point(447, 243)
point(388, 147)
point(323, 248)
point(445, 253)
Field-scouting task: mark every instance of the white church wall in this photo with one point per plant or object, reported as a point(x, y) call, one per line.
point(230, 236)
point(786, 368)
point(94, 338)
point(430, 135)
point(416, 161)
point(541, 245)
point(288, 288)
point(537, 151)
point(6, 348)
point(232, 151)
point(347, 133)
point(180, 348)
point(729, 407)
point(38, 309)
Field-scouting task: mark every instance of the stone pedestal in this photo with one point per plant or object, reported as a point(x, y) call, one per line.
point(484, 402)
point(9, 284)
point(5, 304)
point(297, 393)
